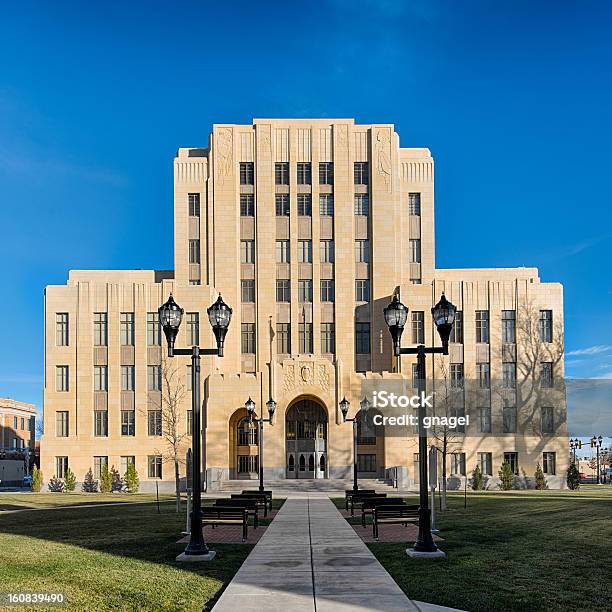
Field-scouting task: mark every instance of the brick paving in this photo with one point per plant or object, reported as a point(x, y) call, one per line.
point(229, 534)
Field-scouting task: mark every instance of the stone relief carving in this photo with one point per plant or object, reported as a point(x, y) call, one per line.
point(306, 373)
point(224, 152)
point(343, 136)
point(266, 138)
point(383, 156)
point(323, 377)
point(289, 379)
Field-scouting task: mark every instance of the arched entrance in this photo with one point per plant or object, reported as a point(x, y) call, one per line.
point(306, 440)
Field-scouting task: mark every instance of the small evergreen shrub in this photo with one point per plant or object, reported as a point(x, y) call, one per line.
point(70, 480)
point(37, 480)
point(477, 480)
point(506, 477)
point(573, 477)
point(57, 485)
point(106, 481)
point(117, 483)
point(132, 482)
point(90, 485)
point(540, 481)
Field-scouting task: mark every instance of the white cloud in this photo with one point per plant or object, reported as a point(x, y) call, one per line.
point(591, 350)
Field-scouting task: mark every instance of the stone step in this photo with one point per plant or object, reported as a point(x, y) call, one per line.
point(307, 484)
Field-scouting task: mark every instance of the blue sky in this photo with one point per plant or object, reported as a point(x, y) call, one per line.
point(512, 98)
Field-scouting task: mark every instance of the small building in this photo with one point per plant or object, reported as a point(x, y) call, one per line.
point(17, 433)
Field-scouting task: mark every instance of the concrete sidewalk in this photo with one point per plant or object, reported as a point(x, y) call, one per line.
point(311, 560)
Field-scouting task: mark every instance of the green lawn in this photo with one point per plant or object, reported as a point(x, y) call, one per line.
point(115, 557)
point(527, 551)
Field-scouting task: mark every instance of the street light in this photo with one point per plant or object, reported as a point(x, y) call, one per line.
point(443, 314)
point(250, 406)
point(170, 316)
point(344, 407)
point(575, 444)
point(596, 443)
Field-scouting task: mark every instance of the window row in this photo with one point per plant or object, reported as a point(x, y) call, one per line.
point(305, 290)
point(483, 375)
point(485, 463)
point(361, 174)
point(100, 378)
point(100, 465)
point(304, 251)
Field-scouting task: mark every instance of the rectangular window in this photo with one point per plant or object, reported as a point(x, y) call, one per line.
point(194, 204)
point(100, 378)
point(154, 422)
point(482, 326)
point(512, 459)
point(458, 464)
point(456, 375)
point(414, 251)
point(327, 290)
point(247, 332)
point(101, 423)
point(61, 329)
point(153, 329)
point(326, 205)
point(100, 465)
point(509, 326)
point(194, 251)
point(61, 466)
point(484, 419)
point(247, 251)
point(61, 378)
point(247, 173)
point(326, 251)
point(127, 378)
point(190, 422)
point(282, 205)
point(282, 251)
point(362, 251)
point(362, 204)
point(62, 429)
point(418, 327)
point(546, 326)
point(305, 251)
point(328, 338)
point(546, 374)
point(125, 461)
point(485, 461)
point(100, 329)
point(366, 463)
point(549, 463)
point(508, 375)
point(128, 423)
point(305, 338)
point(247, 205)
point(248, 464)
point(283, 339)
point(456, 335)
point(361, 173)
point(304, 173)
point(154, 378)
point(509, 419)
point(362, 290)
point(193, 328)
point(281, 173)
point(326, 173)
point(126, 328)
point(548, 420)
point(283, 290)
point(247, 291)
point(155, 464)
point(304, 205)
point(362, 338)
point(414, 204)
point(483, 375)
point(305, 291)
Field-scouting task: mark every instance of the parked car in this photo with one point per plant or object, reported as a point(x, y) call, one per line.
point(27, 480)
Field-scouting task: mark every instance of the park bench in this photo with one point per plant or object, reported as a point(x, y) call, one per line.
point(393, 515)
point(249, 504)
point(368, 505)
point(358, 499)
point(261, 500)
point(226, 515)
point(268, 494)
point(348, 494)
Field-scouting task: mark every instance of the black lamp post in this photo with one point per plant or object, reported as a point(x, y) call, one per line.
point(596, 443)
point(443, 314)
point(250, 406)
point(575, 444)
point(604, 461)
point(170, 316)
point(344, 407)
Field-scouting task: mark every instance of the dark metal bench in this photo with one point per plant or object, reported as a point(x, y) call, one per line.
point(249, 504)
point(393, 515)
point(358, 499)
point(226, 515)
point(268, 494)
point(348, 494)
point(368, 505)
point(261, 500)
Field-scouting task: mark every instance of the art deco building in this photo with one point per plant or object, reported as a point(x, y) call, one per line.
point(306, 227)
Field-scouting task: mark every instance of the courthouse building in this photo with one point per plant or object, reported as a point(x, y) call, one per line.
point(306, 227)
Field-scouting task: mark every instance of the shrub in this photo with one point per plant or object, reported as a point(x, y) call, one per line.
point(573, 477)
point(89, 484)
point(57, 485)
point(477, 480)
point(70, 480)
point(132, 482)
point(37, 480)
point(540, 481)
point(506, 476)
point(117, 483)
point(106, 482)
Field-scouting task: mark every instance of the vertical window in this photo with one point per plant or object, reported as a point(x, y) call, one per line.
point(61, 466)
point(509, 419)
point(154, 422)
point(546, 328)
point(194, 204)
point(247, 290)
point(283, 339)
point(458, 464)
point(546, 374)
point(305, 338)
point(548, 420)
point(282, 205)
point(154, 463)
point(100, 329)
point(305, 291)
point(549, 463)
point(194, 251)
point(366, 463)
point(153, 329)
point(126, 326)
point(304, 173)
point(362, 338)
point(328, 338)
point(247, 205)
point(100, 378)
point(482, 326)
point(154, 378)
point(247, 332)
point(247, 251)
point(282, 251)
point(418, 327)
point(457, 331)
point(509, 326)
point(247, 173)
point(127, 378)
point(101, 423)
point(190, 422)
point(509, 375)
point(326, 251)
point(362, 290)
point(125, 461)
point(100, 465)
point(326, 173)
point(304, 205)
point(327, 290)
point(456, 375)
point(128, 423)
point(61, 329)
point(512, 459)
point(61, 378)
point(62, 429)
point(283, 291)
point(281, 173)
point(483, 375)
point(193, 328)
point(362, 251)
point(326, 205)
point(361, 173)
point(414, 204)
point(305, 251)
point(484, 419)
point(414, 251)
point(485, 461)
point(362, 204)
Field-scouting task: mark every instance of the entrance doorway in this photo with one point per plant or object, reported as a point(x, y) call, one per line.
point(306, 440)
